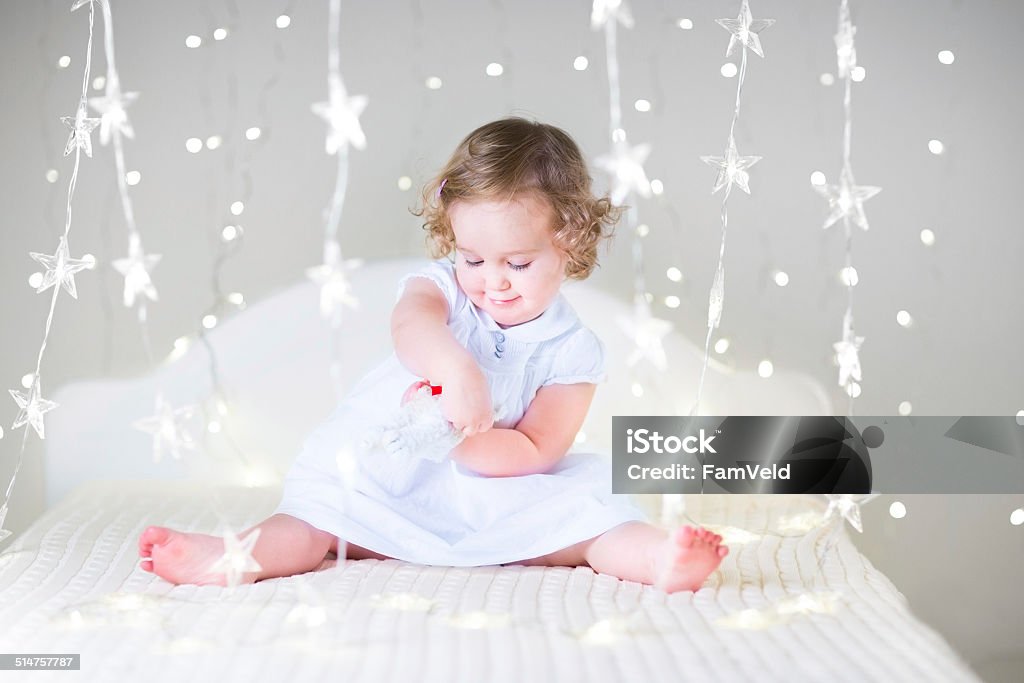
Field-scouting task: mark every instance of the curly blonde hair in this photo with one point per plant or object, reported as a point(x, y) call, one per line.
point(511, 156)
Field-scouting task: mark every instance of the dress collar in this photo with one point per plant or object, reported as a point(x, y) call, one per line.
point(556, 320)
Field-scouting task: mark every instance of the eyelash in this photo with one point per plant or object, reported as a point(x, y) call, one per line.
point(513, 266)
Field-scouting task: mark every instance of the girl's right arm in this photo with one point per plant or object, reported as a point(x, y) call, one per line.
point(426, 347)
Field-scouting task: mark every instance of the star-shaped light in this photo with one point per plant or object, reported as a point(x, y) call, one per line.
point(744, 30)
point(847, 352)
point(135, 268)
point(111, 107)
point(81, 129)
point(646, 331)
point(168, 427)
point(846, 200)
point(846, 506)
point(732, 169)
point(33, 407)
point(716, 298)
point(335, 286)
point(60, 267)
point(604, 10)
point(81, 3)
point(341, 112)
point(846, 51)
point(237, 558)
point(4, 533)
point(625, 164)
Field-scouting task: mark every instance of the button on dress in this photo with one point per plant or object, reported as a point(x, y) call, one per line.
point(443, 513)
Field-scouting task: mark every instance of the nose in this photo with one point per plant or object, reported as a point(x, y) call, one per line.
point(495, 279)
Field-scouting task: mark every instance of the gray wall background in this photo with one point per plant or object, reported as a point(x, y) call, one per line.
point(951, 556)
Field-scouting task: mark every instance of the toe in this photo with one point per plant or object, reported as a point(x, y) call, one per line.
point(154, 535)
point(146, 565)
point(723, 550)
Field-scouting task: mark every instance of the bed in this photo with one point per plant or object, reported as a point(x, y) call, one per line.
point(782, 606)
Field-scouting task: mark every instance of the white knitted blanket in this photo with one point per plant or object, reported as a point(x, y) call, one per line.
point(70, 584)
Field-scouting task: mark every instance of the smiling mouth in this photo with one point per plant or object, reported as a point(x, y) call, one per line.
point(502, 302)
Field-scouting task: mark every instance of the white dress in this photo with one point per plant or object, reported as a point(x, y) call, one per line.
point(451, 515)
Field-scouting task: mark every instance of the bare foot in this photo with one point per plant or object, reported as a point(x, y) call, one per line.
point(181, 557)
point(686, 558)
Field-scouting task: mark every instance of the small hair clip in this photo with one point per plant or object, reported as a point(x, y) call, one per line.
point(439, 189)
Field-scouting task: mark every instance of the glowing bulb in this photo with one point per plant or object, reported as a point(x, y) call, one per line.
point(193, 41)
point(618, 135)
point(765, 368)
point(27, 380)
point(781, 278)
point(674, 274)
point(64, 62)
point(52, 175)
point(826, 79)
point(194, 145)
point(213, 142)
point(99, 82)
point(722, 345)
point(220, 34)
point(1020, 417)
point(132, 177)
point(495, 69)
point(1017, 517)
point(657, 187)
point(181, 344)
point(34, 280)
point(728, 69)
point(927, 237)
point(848, 276)
point(581, 437)
point(229, 233)
point(898, 510)
point(237, 299)
point(904, 319)
point(213, 427)
point(284, 21)
point(434, 83)
point(946, 57)
point(209, 321)
point(237, 208)
point(685, 24)
point(253, 133)
point(858, 74)
point(642, 105)
point(580, 63)
point(853, 390)
point(818, 178)
point(905, 408)
point(936, 147)
point(672, 301)
point(638, 390)
point(643, 230)
point(404, 183)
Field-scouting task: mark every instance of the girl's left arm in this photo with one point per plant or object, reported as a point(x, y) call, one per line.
point(541, 438)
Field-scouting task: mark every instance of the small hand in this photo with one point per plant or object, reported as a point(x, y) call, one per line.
point(466, 401)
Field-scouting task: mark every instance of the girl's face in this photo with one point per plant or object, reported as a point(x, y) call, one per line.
point(506, 260)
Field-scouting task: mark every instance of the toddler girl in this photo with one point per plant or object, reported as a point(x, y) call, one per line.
point(514, 213)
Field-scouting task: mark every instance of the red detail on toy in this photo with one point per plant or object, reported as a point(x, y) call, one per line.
point(435, 391)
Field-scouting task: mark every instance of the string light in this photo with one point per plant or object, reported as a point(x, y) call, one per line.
point(220, 34)
point(194, 145)
point(672, 301)
point(213, 142)
point(99, 82)
point(637, 390)
point(1017, 517)
point(858, 74)
point(904, 319)
point(237, 208)
point(685, 24)
point(434, 83)
point(193, 41)
point(657, 187)
point(818, 178)
point(729, 70)
point(283, 21)
point(827, 79)
point(905, 408)
point(1020, 417)
point(34, 280)
point(674, 274)
point(580, 63)
point(898, 510)
point(229, 233)
point(927, 237)
point(494, 69)
point(404, 183)
point(936, 147)
point(64, 62)
point(52, 176)
point(252, 133)
point(722, 345)
point(946, 57)
point(132, 177)
point(642, 105)
point(781, 278)
point(765, 368)
point(848, 276)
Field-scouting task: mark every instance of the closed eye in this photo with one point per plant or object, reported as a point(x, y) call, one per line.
point(513, 266)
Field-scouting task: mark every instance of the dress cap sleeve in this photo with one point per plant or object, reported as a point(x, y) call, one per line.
point(442, 274)
point(579, 360)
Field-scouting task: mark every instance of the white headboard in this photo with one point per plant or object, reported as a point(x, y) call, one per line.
point(273, 363)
